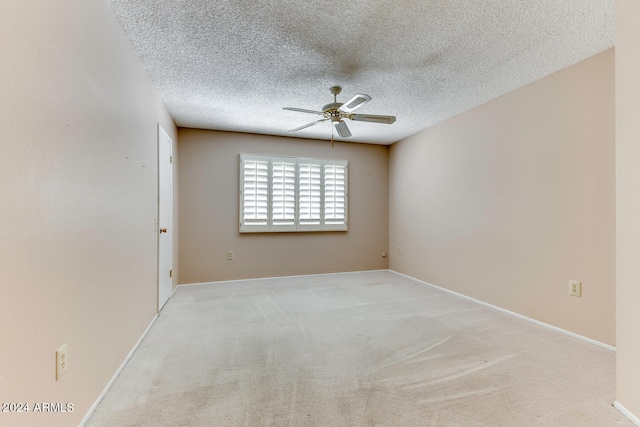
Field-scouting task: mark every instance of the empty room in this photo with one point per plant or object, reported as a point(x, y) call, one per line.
point(233, 213)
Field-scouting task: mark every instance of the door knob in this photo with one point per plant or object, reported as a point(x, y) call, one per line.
point(163, 230)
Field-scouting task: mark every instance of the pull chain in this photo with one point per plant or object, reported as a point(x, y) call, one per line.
point(332, 133)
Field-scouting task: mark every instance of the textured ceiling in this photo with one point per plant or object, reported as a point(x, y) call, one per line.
point(233, 64)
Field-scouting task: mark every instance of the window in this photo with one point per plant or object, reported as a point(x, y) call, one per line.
point(292, 194)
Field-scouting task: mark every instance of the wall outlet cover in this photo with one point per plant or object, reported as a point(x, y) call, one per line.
point(61, 362)
point(575, 288)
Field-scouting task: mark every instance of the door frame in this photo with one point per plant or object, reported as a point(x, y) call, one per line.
point(165, 248)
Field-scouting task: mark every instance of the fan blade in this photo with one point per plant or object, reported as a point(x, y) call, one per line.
point(308, 125)
point(342, 129)
point(387, 120)
point(356, 102)
point(302, 110)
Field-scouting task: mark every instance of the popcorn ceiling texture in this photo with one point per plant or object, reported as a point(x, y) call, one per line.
point(233, 64)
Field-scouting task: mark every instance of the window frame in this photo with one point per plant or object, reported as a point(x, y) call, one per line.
point(278, 194)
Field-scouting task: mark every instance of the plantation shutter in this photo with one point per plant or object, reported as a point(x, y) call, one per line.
point(292, 194)
point(335, 194)
point(310, 193)
point(254, 195)
point(283, 193)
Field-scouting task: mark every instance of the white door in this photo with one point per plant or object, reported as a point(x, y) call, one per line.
point(165, 217)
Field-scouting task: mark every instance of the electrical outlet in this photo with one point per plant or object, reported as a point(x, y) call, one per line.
point(229, 255)
point(61, 361)
point(575, 288)
point(399, 250)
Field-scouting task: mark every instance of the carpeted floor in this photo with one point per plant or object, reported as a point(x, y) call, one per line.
point(355, 349)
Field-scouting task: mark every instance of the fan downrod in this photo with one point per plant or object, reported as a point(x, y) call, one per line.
point(331, 110)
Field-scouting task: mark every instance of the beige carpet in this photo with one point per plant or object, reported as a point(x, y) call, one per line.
point(356, 349)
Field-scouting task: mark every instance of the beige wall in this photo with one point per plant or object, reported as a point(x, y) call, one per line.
point(78, 179)
point(209, 172)
point(508, 202)
point(628, 203)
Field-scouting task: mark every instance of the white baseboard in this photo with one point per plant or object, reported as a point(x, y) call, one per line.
point(276, 278)
point(124, 363)
point(520, 316)
point(494, 307)
point(624, 411)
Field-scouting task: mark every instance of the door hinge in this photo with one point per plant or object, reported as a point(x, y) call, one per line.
point(171, 159)
point(170, 273)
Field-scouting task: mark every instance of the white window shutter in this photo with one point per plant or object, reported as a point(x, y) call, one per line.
point(310, 193)
point(254, 194)
point(292, 194)
point(283, 194)
point(335, 195)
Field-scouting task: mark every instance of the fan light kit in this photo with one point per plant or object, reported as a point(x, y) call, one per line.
point(336, 112)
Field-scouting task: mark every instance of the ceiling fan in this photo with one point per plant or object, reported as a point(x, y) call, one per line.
point(336, 112)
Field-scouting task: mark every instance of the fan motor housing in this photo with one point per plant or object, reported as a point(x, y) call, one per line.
point(332, 106)
point(331, 111)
